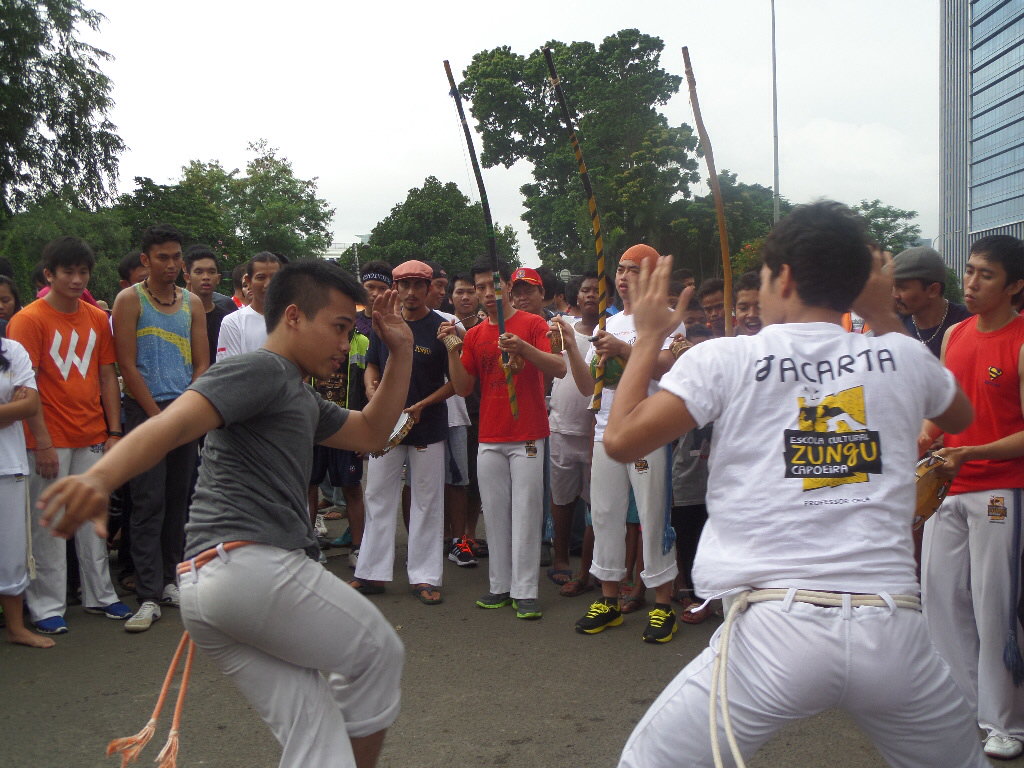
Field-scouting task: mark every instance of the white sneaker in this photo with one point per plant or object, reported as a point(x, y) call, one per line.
point(321, 526)
point(172, 597)
point(1003, 747)
point(353, 559)
point(143, 618)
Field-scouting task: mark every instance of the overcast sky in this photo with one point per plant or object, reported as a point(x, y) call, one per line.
point(356, 95)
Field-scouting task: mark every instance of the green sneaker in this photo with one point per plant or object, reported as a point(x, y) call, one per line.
point(661, 626)
point(600, 615)
point(527, 608)
point(491, 600)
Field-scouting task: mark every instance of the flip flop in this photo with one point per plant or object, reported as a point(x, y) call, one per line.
point(422, 593)
point(630, 601)
point(575, 587)
point(693, 617)
point(366, 587)
point(559, 576)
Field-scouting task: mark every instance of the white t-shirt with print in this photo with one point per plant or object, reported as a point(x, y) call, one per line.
point(13, 458)
point(240, 332)
point(621, 327)
point(811, 473)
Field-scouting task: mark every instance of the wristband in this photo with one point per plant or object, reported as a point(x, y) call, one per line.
point(114, 433)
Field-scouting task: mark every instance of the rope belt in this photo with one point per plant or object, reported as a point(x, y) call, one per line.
point(129, 747)
point(720, 669)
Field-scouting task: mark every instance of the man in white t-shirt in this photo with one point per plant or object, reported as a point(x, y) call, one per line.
point(572, 425)
point(647, 476)
point(246, 330)
point(810, 500)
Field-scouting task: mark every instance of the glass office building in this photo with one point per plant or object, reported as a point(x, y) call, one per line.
point(982, 128)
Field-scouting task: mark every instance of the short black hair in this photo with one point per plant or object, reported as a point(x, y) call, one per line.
point(263, 257)
point(553, 285)
point(486, 265)
point(1005, 250)
point(196, 252)
point(693, 330)
point(682, 274)
point(709, 286)
point(6, 268)
point(128, 264)
point(826, 246)
point(437, 270)
point(38, 278)
point(237, 274)
point(159, 234)
point(463, 276)
point(67, 252)
point(748, 281)
point(675, 287)
point(307, 284)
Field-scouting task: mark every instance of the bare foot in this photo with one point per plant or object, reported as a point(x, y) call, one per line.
point(29, 638)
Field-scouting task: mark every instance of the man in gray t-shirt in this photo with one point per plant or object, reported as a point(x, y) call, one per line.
point(272, 618)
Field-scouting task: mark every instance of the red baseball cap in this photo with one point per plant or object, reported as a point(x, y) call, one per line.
point(526, 275)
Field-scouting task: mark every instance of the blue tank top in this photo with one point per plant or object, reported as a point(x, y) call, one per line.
point(163, 347)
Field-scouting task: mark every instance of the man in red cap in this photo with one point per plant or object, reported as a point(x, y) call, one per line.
point(611, 481)
point(422, 450)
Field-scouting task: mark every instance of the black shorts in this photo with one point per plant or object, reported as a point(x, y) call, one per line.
point(343, 468)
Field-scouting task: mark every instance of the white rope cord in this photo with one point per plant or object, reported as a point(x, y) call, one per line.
point(720, 669)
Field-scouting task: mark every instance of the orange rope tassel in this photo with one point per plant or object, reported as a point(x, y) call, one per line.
point(130, 746)
point(168, 757)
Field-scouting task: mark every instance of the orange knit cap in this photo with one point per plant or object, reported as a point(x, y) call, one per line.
point(640, 253)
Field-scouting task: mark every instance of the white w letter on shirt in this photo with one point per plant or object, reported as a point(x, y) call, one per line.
point(64, 363)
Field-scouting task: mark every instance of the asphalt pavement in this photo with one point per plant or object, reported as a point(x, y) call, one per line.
point(481, 689)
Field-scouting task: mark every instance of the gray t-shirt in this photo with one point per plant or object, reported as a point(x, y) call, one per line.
point(255, 471)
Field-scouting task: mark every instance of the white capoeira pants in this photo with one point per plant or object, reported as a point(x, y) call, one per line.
point(46, 595)
point(967, 574)
point(610, 482)
point(383, 501)
point(787, 664)
point(511, 477)
point(14, 541)
point(313, 657)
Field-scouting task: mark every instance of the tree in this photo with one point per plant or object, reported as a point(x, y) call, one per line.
point(639, 164)
point(889, 227)
point(266, 209)
point(748, 218)
point(25, 234)
point(198, 218)
point(54, 132)
point(435, 222)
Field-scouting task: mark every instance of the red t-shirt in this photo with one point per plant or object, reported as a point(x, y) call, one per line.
point(481, 358)
point(986, 367)
point(67, 351)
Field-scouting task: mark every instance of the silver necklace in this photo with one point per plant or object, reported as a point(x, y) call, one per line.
point(937, 328)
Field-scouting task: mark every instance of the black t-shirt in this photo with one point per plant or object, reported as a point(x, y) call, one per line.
point(429, 366)
point(932, 337)
point(213, 321)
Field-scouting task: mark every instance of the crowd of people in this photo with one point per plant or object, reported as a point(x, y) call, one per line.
point(697, 452)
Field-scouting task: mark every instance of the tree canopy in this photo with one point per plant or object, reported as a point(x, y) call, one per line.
point(435, 222)
point(54, 133)
point(639, 164)
point(890, 227)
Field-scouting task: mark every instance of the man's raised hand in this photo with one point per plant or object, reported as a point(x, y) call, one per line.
point(389, 323)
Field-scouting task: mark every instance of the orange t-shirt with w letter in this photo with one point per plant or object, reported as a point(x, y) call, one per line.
point(67, 351)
